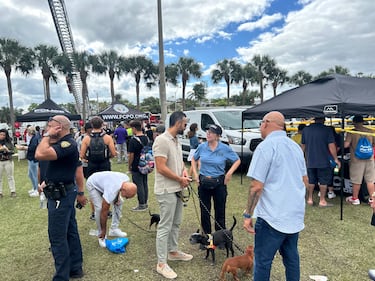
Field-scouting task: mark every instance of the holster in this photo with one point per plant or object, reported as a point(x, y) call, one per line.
point(55, 191)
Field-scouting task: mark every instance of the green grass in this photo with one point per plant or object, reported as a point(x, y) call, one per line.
point(340, 249)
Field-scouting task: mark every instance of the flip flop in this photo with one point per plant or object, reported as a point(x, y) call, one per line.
point(326, 206)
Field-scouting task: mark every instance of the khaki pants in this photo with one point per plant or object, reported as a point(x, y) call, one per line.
point(7, 167)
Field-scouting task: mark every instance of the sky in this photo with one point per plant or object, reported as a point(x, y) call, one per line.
point(309, 35)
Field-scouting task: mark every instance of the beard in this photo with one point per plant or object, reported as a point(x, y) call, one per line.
point(180, 132)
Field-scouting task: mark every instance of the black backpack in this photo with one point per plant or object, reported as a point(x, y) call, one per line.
point(98, 150)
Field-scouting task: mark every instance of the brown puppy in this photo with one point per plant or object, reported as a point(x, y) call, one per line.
point(244, 262)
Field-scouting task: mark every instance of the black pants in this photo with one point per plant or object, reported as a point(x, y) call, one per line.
point(140, 181)
point(94, 167)
point(219, 195)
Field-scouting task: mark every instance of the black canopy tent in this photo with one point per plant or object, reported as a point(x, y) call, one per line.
point(119, 112)
point(350, 95)
point(334, 95)
point(44, 111)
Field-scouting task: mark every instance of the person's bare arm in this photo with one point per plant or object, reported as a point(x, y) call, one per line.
point(232, 169)
point(162, 168)
point(130, 160)
point(45, 151)
point(255, 190)
point(84, 146)
point(111, 145)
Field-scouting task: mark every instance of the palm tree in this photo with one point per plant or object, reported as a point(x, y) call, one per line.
point(300, 78)
point(83, 62)
point(109, 62)
point(46, 58)
point(227, 70)
point(277, 76)
point(248, 75)
point(140, 67)
point(185, 67)
point(199, 93)
point(263, 64)
point(338, 69)
point(13, 55)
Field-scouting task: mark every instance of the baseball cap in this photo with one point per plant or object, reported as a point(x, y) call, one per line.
point(358, 119)
point(216, 129)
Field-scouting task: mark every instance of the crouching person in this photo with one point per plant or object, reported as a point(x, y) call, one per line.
point(108, 188)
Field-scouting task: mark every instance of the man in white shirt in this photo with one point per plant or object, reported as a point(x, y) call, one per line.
point(108, 188)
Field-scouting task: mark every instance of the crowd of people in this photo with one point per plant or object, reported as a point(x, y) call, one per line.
point(283, 169)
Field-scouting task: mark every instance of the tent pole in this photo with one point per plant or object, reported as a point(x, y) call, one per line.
point(242, 147)
point(342, 148)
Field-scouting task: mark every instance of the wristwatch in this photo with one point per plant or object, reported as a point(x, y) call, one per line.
point(80, 193)
point(246, 215)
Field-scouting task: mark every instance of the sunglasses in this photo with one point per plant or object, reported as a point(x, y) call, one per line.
point(53, 119)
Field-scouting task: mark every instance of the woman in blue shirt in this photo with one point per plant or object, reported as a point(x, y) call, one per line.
point(212, 180)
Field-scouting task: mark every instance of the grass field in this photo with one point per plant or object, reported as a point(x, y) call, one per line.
point(342, 250)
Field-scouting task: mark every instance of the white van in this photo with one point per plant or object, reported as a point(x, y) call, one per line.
point(230, 120)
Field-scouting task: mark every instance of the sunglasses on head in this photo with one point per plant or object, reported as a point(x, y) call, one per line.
point(53, 119)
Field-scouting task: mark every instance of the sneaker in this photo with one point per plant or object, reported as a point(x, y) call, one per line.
point(331, 195)
point(92, 216)
point(102, 242)
point(31, 191)
point(166, 271)
point(179, 256)
point(139, 208)
point(352, 201)
point(117, 232)
point(371, 274)
point(13, 194)
point(35, 193)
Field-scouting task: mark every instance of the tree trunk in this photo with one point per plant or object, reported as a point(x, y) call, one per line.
point(261, 87)
point(244, 88)
point(10, 93)
point(47, 92)
point(111, 78)
point(84, 95)
point(137, 93)
point(184, 80)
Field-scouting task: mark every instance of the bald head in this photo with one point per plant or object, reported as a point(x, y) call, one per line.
point(63, 120)
point(128, 189)
point(272, 121)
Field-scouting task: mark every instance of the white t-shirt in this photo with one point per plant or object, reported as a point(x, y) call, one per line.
point(108, 183)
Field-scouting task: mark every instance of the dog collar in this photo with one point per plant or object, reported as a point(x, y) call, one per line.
point(211, 242)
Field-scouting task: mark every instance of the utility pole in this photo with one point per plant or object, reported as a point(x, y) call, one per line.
point(162, 90)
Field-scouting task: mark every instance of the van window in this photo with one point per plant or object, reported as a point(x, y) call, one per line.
point(231, 120)
point(206, 121)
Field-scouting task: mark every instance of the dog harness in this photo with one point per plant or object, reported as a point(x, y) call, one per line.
point(211, 242)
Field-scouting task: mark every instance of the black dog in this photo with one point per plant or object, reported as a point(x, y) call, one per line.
point(221, 238)
point(155, 218)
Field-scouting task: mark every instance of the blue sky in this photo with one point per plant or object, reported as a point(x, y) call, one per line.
point(312, 35)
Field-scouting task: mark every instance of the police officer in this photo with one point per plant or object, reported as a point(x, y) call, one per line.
point(60, 150)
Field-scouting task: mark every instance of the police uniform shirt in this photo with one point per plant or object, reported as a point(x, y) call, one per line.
point(64, 168)
point(108, 183)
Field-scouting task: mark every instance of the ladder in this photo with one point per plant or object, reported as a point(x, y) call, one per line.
point(60, 18)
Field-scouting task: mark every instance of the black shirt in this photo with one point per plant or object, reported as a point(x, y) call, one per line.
point(135, 147)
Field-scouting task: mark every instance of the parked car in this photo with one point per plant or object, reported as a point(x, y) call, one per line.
point(230, 120)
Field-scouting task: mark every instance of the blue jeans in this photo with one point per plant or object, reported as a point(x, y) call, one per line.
point(63, 236)
point(267, 241)
point(33, 173)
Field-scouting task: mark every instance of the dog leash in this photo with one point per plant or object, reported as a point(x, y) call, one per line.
point(206, 209)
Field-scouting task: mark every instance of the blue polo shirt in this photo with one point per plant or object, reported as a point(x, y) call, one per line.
point(279, 164)
point(213, 162)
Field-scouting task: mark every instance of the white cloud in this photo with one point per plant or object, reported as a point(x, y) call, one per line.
point(262, 23)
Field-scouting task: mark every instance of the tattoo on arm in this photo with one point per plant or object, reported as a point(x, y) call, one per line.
point(252, 200)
